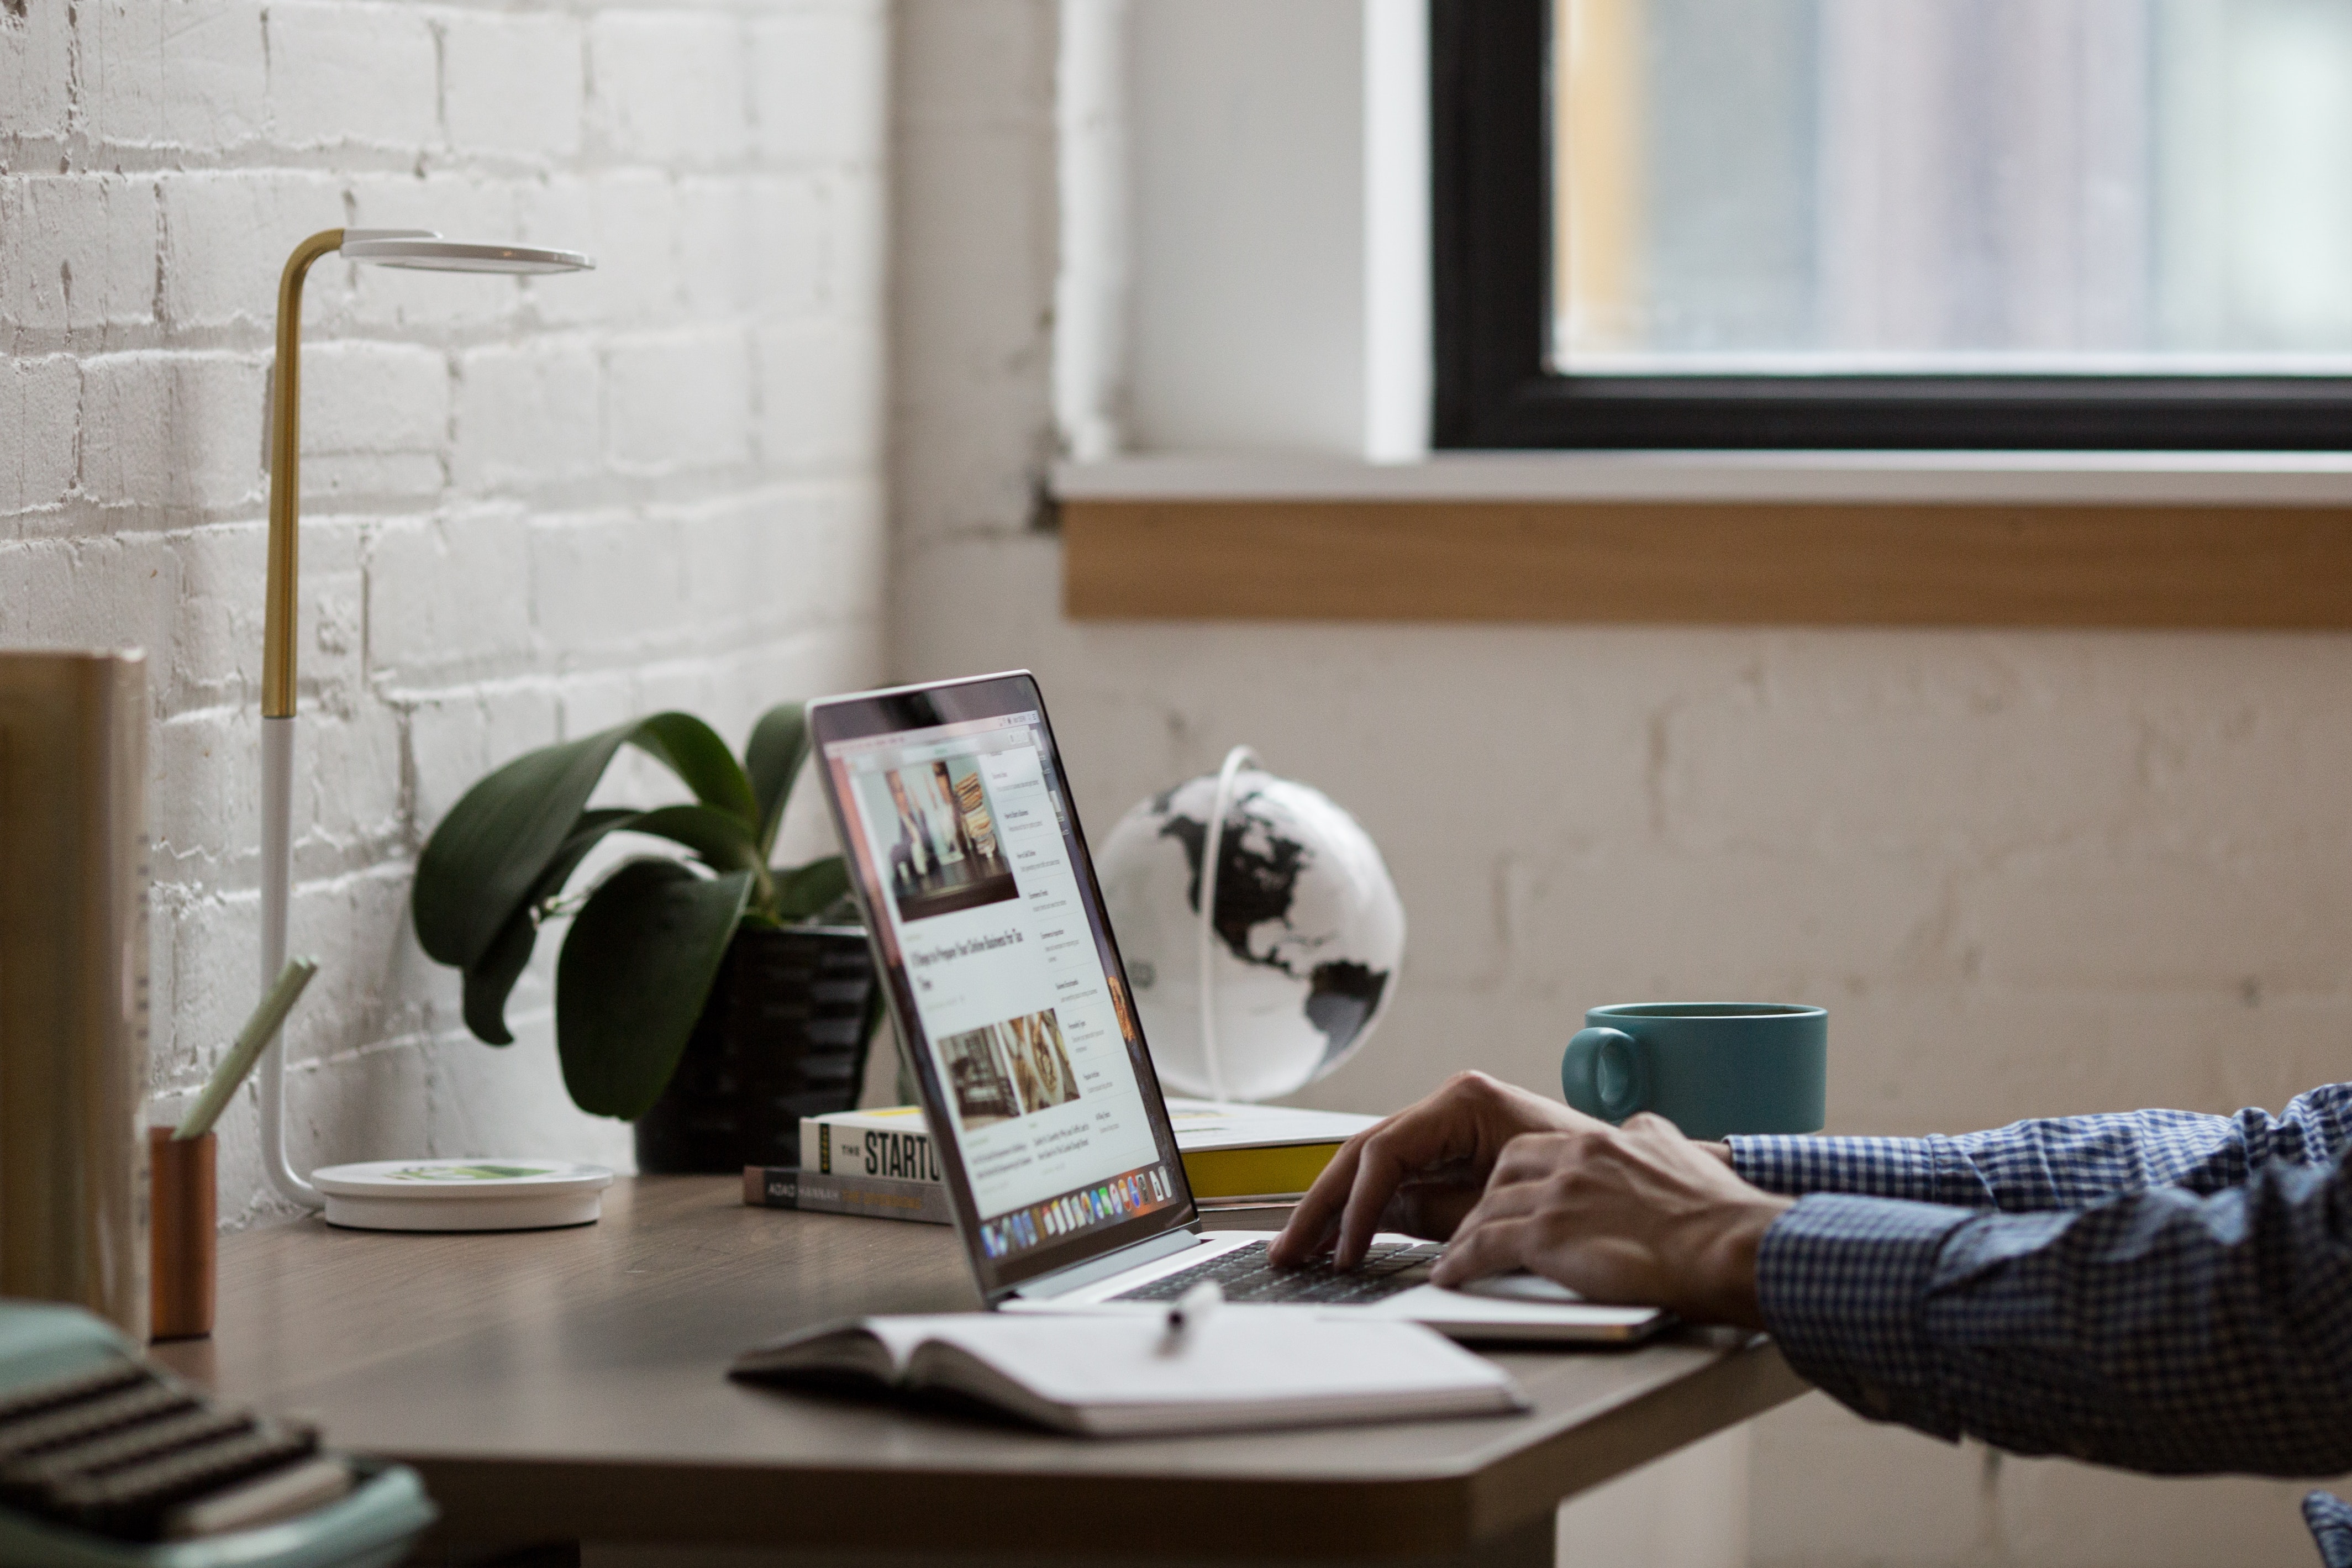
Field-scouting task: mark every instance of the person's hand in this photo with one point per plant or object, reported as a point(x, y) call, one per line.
point(1418, 1172)
point(1637, 1214)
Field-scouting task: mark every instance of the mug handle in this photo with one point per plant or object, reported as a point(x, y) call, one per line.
point(1602, 1074)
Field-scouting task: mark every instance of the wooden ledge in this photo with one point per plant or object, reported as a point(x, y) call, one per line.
point(1634, 562)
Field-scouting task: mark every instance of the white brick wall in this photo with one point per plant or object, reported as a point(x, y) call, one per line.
point(2027, 872)
point(531, 508)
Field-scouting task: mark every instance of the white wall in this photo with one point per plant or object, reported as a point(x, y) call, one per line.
point(532, 508)
point(2027, 872)
point(1245, 220)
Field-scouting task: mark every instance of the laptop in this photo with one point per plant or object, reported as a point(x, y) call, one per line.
point(1052, 1139)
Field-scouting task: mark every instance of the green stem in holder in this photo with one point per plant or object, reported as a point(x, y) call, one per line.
point(256, 1033)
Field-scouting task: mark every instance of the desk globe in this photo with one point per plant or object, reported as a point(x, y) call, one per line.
point(1297, 958)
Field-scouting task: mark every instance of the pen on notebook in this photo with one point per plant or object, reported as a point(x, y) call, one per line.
point(1187, 1312)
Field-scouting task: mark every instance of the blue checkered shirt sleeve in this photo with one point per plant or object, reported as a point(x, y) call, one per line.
point(2330, 1519)
point(2058, 1164)
point(2160, 1291)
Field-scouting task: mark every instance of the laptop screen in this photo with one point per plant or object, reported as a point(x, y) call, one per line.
point(1006, 985)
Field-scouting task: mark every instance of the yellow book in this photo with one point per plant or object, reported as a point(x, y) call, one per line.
point(1268, 1152)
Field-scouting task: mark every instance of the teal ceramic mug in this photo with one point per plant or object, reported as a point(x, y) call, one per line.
point(1712, 1069)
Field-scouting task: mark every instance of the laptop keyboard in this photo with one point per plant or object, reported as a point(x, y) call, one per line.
point(1244, 1275)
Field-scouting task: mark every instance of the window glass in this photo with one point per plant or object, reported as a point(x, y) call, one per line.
point(1952, 187)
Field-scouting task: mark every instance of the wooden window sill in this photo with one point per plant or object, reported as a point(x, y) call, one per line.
point(2109, 541)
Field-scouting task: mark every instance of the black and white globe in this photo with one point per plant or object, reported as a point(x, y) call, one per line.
point(1303, 948)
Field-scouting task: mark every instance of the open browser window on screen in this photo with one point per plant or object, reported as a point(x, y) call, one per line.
point(967, 851)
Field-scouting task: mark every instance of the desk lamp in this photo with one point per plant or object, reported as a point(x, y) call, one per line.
point(411, 247)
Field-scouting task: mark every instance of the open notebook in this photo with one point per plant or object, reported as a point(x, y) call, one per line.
point(1128, 1376)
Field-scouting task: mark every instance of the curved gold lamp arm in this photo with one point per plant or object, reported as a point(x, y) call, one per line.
point(280, 601)
point(281, 597)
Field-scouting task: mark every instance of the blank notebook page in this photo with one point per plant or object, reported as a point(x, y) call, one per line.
point(1237, 1354)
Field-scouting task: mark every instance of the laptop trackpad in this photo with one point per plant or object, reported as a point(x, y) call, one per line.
point(1521, 1288)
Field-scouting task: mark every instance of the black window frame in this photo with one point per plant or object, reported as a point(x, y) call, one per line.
point(1491, 271)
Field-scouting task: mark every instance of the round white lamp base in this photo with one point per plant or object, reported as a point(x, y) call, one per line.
point(462, 1195)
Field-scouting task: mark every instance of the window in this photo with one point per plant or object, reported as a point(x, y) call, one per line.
point(2031, 223)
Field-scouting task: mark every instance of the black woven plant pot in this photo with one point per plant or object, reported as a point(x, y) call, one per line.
point(784, 1035)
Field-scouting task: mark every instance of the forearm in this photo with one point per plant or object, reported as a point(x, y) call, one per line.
point(2160, 1330)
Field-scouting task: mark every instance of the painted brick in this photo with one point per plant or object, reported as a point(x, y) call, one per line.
point(207, 824)
point(2154, 924)
point(783, 237)
point(330, 643)
point(613, 583)
point(609, 696)
point(449, 596)
point(820, 397)
point(677, 403)
point(457, 735)
point(857, 268)
point(722, 264)
point(346, 73)
point(513, 85)
point(529, 414)
point(670, 85)
point(227, 236)
point(820, 85)
point(190, 74)
point(741, 558)
point(627, 220)
point(214, 954)
point(40, 405)
point(173, 429)
point(77, 252)
point(402, 300)
point(1927, 751)
point(375, 421)
point(36, 67)
point(215, 648)
point(348, 800)
point(82, 593)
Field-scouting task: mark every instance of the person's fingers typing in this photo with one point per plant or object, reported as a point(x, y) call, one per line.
point(1316, 1218)
point(1486, 1245)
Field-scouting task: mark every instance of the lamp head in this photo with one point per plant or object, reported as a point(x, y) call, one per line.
point(423, 249)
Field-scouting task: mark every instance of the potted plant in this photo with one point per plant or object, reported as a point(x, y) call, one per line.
point(710, 997)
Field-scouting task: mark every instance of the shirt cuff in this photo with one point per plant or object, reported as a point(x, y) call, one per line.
point(2330, 1519)
point(1923, 1170)
point(1843, 1284)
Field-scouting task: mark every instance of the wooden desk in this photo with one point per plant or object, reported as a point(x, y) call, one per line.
point(569, 1385)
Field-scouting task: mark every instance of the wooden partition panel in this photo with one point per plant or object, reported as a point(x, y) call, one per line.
point(1824, 564)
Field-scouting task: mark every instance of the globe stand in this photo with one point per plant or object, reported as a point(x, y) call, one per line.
point(1212, 853)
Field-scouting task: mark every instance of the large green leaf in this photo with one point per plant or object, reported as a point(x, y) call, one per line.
point(779, 745)
point(489, 983)
point(724, 843)
point(635, 971)
point(482, 861)
point(490, 979)
point(696, 753)
point(812, 889)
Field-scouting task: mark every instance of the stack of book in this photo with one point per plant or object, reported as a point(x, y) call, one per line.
point(881, 1161)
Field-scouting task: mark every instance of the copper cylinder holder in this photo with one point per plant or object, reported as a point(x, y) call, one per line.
point(184, 1218)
